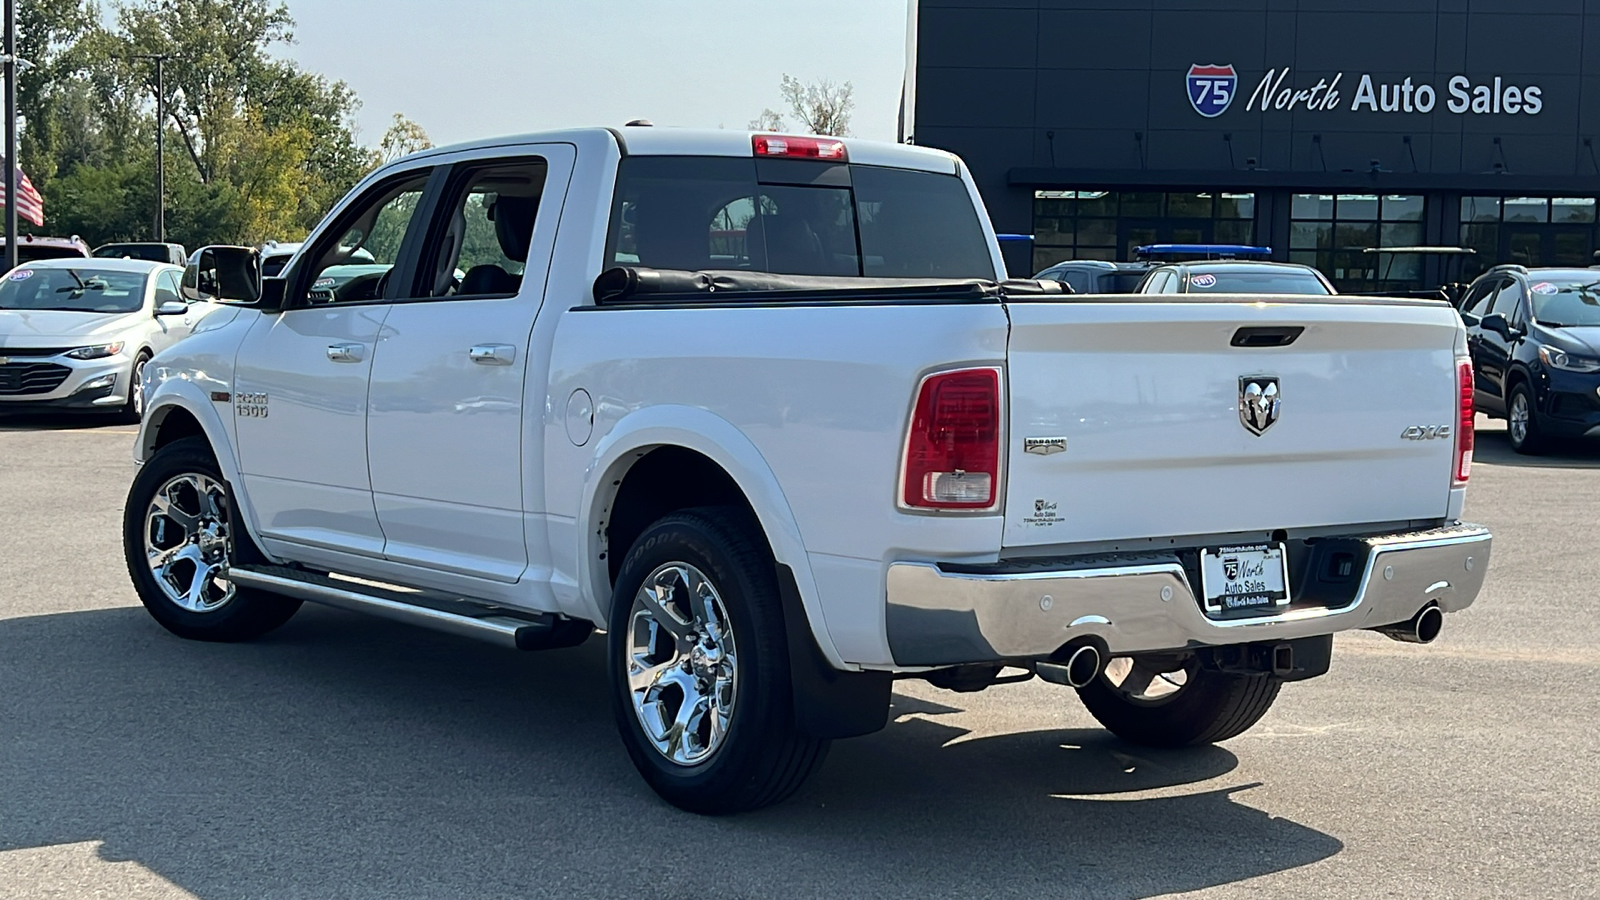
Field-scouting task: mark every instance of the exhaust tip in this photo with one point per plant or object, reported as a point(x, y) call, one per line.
point(1428, 624)
point(1083, 666)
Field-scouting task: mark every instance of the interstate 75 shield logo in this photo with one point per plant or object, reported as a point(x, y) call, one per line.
point(1211, 89)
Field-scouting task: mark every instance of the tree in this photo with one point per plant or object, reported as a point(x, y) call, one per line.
point(769, 120)
point(822, 106)
point(403, 138)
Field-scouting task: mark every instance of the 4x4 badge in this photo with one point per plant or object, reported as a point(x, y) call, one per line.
point(1259, 402)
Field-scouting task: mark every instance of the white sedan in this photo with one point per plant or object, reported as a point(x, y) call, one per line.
point(75, 334)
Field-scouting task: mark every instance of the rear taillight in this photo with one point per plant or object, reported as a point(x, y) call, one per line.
point(953, 451)
point(799, 147)
point(1464, 428)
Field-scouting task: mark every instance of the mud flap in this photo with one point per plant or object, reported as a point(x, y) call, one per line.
point(828, 703)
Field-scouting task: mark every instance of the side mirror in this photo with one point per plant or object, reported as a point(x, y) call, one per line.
point(1496, 323)
point(172, 308)
point(224, 275)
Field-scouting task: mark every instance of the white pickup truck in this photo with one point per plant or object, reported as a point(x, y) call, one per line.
point(766, 411)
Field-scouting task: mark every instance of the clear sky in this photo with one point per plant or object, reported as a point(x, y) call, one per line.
point(465, 69)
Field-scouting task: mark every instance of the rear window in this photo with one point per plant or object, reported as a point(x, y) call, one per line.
point(794, 218)
point(31, 252)
point(1121, 282)
point(147, 252)
point(1256, 283)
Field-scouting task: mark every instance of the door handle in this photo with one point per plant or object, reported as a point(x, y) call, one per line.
point(492, 354)
point(345, 353)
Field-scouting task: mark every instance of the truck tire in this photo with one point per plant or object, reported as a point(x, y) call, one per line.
point(180, 532)
point(1206, 707)
point(699, 666)
point(1522, 422)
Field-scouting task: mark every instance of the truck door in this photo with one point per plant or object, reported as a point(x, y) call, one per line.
point(456, 402)
point(300, 385)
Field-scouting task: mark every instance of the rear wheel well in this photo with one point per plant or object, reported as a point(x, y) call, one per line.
point(662, 481)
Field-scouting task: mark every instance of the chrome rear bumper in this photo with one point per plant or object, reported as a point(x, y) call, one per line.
point(939, 617)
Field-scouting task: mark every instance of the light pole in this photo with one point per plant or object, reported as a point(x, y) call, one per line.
point(161, 141)
point(11, 133)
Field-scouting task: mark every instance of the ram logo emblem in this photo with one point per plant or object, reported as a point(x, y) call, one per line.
point(1260, 402)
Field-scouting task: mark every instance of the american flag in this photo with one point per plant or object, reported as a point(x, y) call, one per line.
point(30, 205)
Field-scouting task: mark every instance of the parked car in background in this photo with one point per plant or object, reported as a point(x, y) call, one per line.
point(1534, 336)
point(1236, 277)
point(275, 255)
point(1096, 276)
point(31, 248)
point(150, 251)
point(76, 334)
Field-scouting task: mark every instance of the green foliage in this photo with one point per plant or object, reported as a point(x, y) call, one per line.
point(256, 147)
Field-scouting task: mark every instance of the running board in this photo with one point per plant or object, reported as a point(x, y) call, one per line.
point(509, 628)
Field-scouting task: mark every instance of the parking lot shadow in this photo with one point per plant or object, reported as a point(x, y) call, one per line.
point(13, 421)
point(346, 757)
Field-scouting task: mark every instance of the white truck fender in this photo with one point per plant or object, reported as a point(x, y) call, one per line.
point(717, 439)
point(172, 394)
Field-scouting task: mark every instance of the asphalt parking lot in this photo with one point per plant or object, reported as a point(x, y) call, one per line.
point(348, 757)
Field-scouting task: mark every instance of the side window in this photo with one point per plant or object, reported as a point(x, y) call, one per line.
point(1506, 298)
point(167, 289)
point(1077, 280)
point(1157, 280)
point(478, 243)
point(1473, 304)
point(352, 261)
point(1174, 283)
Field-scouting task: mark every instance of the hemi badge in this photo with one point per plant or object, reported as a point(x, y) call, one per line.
point(221, 396)
point(1044, 446)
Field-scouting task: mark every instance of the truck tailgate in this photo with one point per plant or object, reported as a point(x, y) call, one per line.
point(1131, 415)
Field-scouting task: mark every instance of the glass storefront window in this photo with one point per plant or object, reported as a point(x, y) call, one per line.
point(1070, 224)
point(1236, 206)
point(1402, 209)
point(1572, 209)
point(1480, 209)
point(1527, 209)
point(1312, 206)
point(1362, 207)
point(1331, 232)
point(1189, 206)
point(1529, 231)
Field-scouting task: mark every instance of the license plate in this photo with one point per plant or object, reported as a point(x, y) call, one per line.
point(1237, 580)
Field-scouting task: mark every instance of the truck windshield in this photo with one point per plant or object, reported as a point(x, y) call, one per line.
point(794, 218)
point(1565, 304)
point(83, 289)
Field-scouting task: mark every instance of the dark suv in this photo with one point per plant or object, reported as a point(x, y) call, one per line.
point(1534, 335)
point(1094, 276)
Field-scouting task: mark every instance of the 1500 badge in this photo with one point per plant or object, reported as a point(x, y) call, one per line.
point(250, 406)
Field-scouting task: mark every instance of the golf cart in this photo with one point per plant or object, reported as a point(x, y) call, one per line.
point(1448, 268)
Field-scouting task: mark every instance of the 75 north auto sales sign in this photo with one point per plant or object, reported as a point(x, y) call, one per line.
point(1212, 89)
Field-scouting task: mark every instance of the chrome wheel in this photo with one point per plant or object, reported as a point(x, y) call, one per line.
point(187, 544)
point(136, 388)
point(1517, 423)
point(1147, 679)
point(682, 663)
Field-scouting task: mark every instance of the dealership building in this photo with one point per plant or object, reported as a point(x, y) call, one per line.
point(1319, 128)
